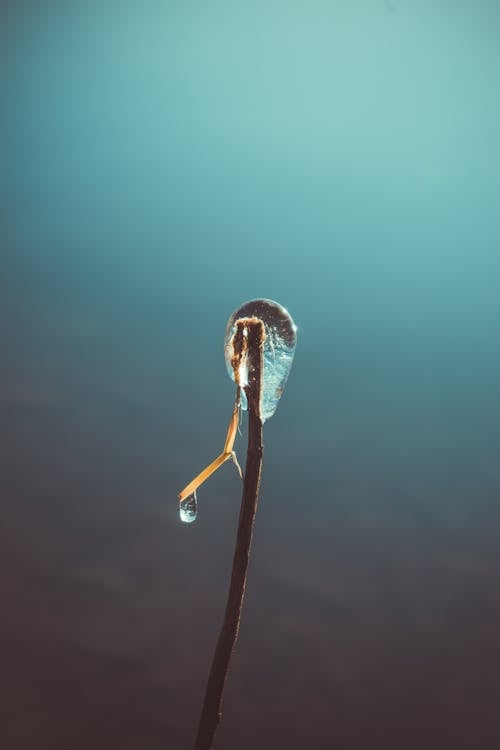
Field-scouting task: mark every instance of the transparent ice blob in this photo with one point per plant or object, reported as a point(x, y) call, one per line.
point(278, 351)
point(188, 509)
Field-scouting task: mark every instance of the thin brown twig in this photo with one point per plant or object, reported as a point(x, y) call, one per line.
point(212, 705)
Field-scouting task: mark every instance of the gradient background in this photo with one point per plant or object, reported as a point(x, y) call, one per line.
point(160, 164)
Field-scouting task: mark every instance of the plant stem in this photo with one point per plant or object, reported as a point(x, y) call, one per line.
point(212, 705)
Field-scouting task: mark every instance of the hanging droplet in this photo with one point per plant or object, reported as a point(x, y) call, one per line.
point(188, 509)
point(278, 351)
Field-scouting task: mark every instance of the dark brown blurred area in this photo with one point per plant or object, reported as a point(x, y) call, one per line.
point(372, 607)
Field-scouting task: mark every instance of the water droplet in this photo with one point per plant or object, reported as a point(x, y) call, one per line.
point(278, 350)
point(188, 509)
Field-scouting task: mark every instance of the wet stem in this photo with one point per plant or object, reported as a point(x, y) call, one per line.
point(212, 706)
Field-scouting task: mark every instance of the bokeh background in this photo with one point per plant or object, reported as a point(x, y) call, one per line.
point(161, 163)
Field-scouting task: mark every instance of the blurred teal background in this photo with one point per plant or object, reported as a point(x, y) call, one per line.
point(160, 164)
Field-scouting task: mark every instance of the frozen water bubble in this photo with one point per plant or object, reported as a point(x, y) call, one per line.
point(188, 509)
point(278, 348)
point(278, 351)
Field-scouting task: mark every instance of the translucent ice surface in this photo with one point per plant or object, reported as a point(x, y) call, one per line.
point(279, 348)
point(188, 509)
